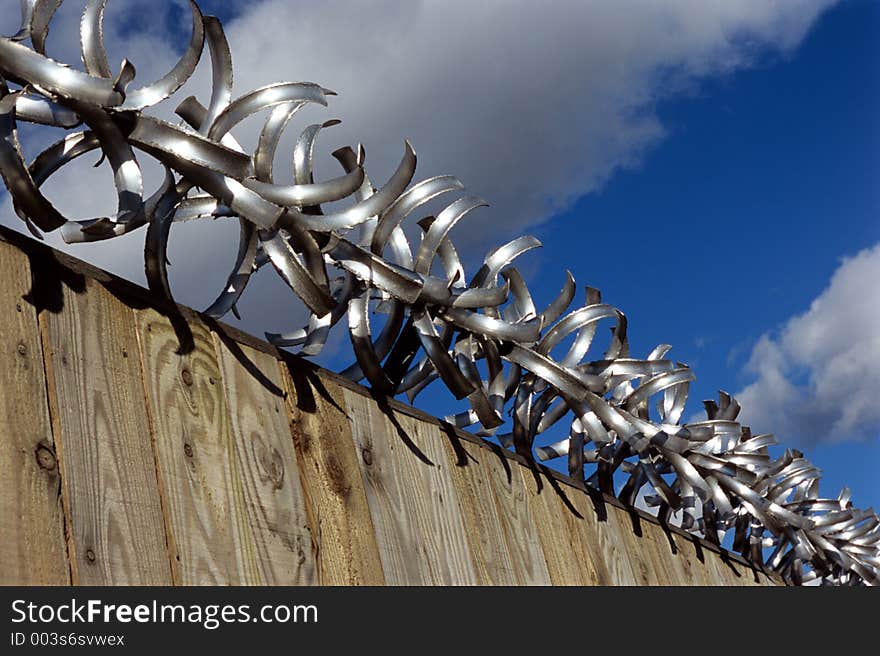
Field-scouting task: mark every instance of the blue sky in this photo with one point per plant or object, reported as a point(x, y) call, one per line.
point(738, 220)
point(708, 166)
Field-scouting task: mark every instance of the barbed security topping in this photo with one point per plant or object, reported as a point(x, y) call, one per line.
point(482, 335)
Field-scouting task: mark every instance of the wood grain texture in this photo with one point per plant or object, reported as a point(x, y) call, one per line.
point(493, 564)
point(515, 518)
point(32, 549)
point(648, 561)
point(333, 489)
point(111, 499)
point(271, 534)
point(434, 501)
point(412, 498)
point(726, 571)
point(680, 555)
point(657, 556)
point(194, 449)
point(568, 553)
point(695, 556)
point(397, 535)
point(613, 539)
point(589, 525)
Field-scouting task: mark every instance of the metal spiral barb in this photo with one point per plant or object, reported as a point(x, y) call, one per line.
point(482, 335)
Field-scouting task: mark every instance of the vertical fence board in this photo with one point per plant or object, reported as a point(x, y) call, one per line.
point(690, 553)
point(656, 556)
point(412, 498)
point(32, 549)
point(568, 554)
point(677, 554)
point(588, 525)
point(272, 539)
point(715, 568)
point(763, 579)
point(397, 535)
point(111, 498)
point(613, 545)
point(631, 554)
point(516, 518)
point(194, 451)
point(333, 489)
point(491, 557)
point(435, 503)
point(726, 571)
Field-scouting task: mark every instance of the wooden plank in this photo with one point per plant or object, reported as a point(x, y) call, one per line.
point(694, 564)
point(111, 497)
point(493, 564)
point(32, 549)
point(752, 576)
point(569, 555)
point(591, 526)
point(272, 538)
point(766, 579)
point(516, 518)
point(708, 567)
point(334, 495)
point(681, 553)
point(658, 561)
point(665, 570)
point(731, 572)
point(397, 535)
point(194, 451)
point(412, 498)
point(434, 501)
point(613, 532)
point(713, 568)
point(629, 550)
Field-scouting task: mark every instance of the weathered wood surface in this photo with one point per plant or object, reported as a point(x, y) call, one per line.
point(273, 542)
point(421, 461)
point(397, 535)
point(138, 448)
point(516, 518)
point(116, 531)
point(421, 536)
point(32, 549)
point(195, 457)
point(567, 551)
point(492, 559)
point(333, 490)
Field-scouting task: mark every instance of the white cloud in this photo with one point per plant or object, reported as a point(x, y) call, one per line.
point(817, 378)
point(531, 104)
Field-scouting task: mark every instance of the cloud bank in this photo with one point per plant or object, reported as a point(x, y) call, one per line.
point(532, 105)
point(816, 378)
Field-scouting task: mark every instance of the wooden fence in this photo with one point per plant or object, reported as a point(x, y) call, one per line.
point(144, 444)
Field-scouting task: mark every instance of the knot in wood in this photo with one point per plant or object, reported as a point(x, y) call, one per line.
point(273, 466)
point(46, 458)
